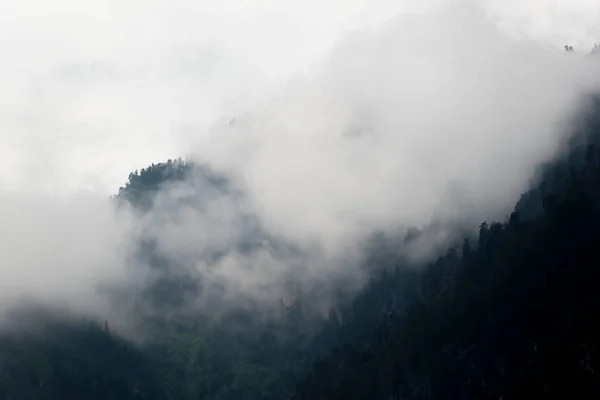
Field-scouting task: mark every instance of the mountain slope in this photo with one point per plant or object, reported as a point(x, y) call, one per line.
point(512, 316)
point(509, 314)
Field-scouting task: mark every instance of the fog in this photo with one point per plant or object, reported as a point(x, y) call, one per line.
point(61, 251)
point(438, 117)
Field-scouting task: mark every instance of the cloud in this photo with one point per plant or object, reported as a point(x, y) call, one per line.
point(59, 252)
point(435, 116)
point(403, 126)
point(432, 119)
point(93, 91)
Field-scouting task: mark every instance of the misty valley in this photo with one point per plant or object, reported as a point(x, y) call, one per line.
point(506, 312)
point(375, 200)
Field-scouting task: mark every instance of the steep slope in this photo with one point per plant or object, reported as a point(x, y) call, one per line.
point(512, 316)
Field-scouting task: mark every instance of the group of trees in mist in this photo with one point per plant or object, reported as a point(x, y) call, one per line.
point(569, 48)
point(508, 313)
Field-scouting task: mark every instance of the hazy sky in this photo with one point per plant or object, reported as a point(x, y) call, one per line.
point(93, 90)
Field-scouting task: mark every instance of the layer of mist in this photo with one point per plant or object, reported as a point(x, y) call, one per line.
point(434, 122)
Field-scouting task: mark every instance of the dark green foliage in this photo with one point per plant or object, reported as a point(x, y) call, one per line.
point(56, 359)
point(142, 187)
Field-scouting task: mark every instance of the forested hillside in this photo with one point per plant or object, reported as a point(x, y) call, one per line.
point(510, 315)
point(507, 314)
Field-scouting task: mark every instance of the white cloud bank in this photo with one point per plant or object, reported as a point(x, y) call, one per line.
point(437, 116)
point(440, 115)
